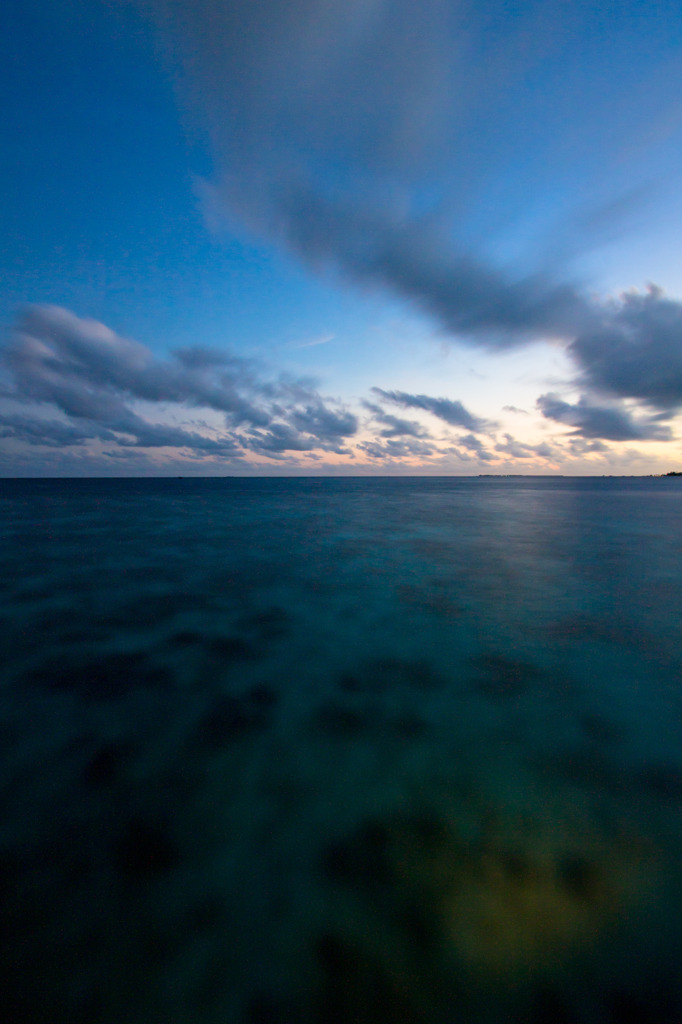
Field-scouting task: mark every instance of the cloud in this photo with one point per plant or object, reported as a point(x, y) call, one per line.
point(398, 449)
point(577, 446)
point(361, 135)
point(76, 385)
point(313, 343)
point(608, 422)
point(635, 350)
point(100, 382)
point(397, 145)
point(279, 439)
point(452, 412)
point(519, 450)
point(324, 423)
point(88, 370)
point(393, 425)
point(474, 444)
point(464, 293)
point(52, 433)
point(416, 148)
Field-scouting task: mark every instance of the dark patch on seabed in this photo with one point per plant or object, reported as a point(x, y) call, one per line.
point(502, 676)
point(381, 674)
point(232, 716)
point(104, 678)
point(340, 752)
point(106, 765)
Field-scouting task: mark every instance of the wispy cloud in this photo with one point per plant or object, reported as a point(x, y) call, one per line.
point(386, 141)
point(312, 342)
point(398, 449)
point(394, 426)
point(521, 450)
point(451, 412)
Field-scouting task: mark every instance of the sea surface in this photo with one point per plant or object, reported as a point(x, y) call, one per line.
point(317, 751)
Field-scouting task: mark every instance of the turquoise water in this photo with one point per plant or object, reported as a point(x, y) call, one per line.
point(310, 751)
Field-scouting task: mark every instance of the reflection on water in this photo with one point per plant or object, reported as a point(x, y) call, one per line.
point(341, 750)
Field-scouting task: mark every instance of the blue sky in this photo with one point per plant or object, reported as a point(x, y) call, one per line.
point(320, 236)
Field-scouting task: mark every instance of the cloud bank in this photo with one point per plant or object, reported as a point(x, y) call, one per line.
point(103, 387)
point(608, 422)
point(634, 349)
point(71, 385)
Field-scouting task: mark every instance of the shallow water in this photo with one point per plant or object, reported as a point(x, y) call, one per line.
point(316, 751)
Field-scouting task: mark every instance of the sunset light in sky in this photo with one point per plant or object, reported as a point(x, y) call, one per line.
point(340, 237)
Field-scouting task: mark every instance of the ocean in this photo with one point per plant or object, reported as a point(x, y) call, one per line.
point(317, 751)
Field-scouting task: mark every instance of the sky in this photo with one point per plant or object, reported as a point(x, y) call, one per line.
point(340, 237)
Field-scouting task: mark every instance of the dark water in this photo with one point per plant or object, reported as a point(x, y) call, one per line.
point(324, 751)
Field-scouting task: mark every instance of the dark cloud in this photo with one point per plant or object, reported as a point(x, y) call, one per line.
point(128, 430)
point(608, 422)
point(361, 134)
point(578, 446)
point(474, 444)
point(52, 433)
point(152, 435)
point(88, 371)
point(393, 425)
point(279, 439)
point(324, 423)
point(392, 448)
point(635, 350)
point(452, 412)
point(465, 294)
point(205, 358)
point(100, 382)
point(519, 450)
point(545, 450)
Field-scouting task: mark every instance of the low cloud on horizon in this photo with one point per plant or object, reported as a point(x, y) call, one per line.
point(93, 377)
point(75, 385)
